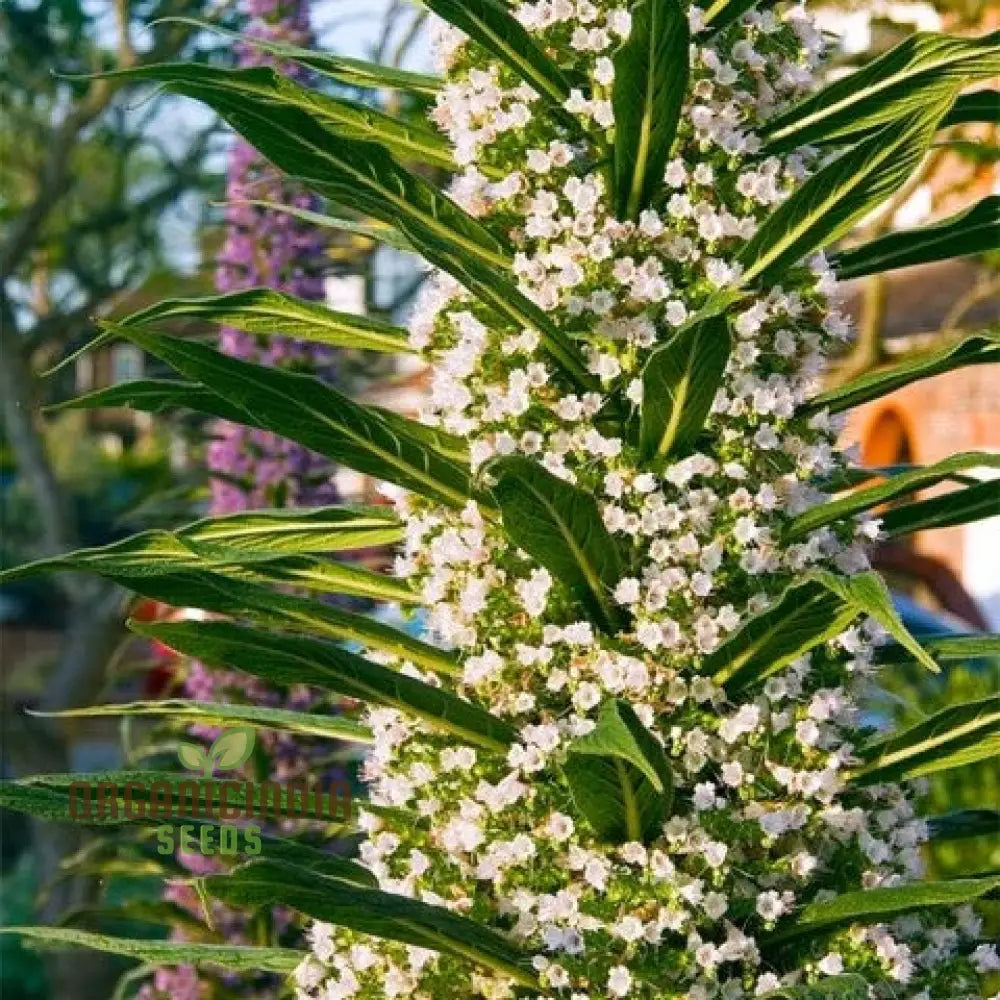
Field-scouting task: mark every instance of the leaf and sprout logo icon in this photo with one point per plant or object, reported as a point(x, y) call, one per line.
point(229, 751)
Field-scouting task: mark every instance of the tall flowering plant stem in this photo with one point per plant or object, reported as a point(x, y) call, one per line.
point(630, 764)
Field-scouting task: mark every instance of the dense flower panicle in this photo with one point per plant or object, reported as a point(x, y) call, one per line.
point(763, 820)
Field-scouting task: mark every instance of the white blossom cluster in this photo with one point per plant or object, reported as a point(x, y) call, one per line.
point(763, 820)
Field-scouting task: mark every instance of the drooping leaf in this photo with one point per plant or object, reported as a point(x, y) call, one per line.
point(157, 395)
point(839, 194)
point(944, 647)
point(894, 488)
point(364, 175)
point(379, 232)
point(974, 151)
point(980, 349)
point(160, 553)
point(809, 613)
point(302, 531)
point(920, 71)
point(47, 797)
point(853, 476)
point(972, 231)
point(352, 72)
point(849, 987)
point(241, 599)
point(560, 526)
point(491, 24)
point(620, 777)
point(155, 796)
point(326, 577)
point(651, 76)
point(869, 906)
point(953, 737)
point(371, 911)
point(333, 727)
point(236, 958)
point(869, 595)
point(974, 503)
point(267, 312)
point(679, 383)
point(306, 410)
point(963, 824)
point(979, 106)
point(344, 168)
point(406, 140)
point(292, 659)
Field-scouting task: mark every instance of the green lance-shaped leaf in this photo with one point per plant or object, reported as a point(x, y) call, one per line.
point(964, 824)
point(979, 106)
point(360, 173)
point(344, 168)
point(849, 987)
point(953, 737)
point(504, 298)
point(868, 594)
point(918, 72)
point(973, 231)
point(326, 577)
point(235, 958)
point(352, 72)
point(241, 599)
point(651, 76)
point(944, 647)
point(679, 384)
point(828, 204)
point(269, 313)
point(157, 395)
point(898, 486)
point(371, 911)
point(560, 527)
point(491, 24)
point(152, 554)
point(809, 613)
point(871, 906)
point(153, 797)
point(973, 151)
point(48, 797)
point(292, 659)
point(974, 503)
point(302, 531)
point(347, 119)
point(980, 349)
point(306, 410)
point(722, 13)
point(620, 777)
point(805, 616)
point(376, 231)
point(218, 759)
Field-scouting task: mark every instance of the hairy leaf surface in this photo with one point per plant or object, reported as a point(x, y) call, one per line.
point(651, 77)
point(290, 659)
point(620, 777)
point(972, 231)
point(561, 527)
